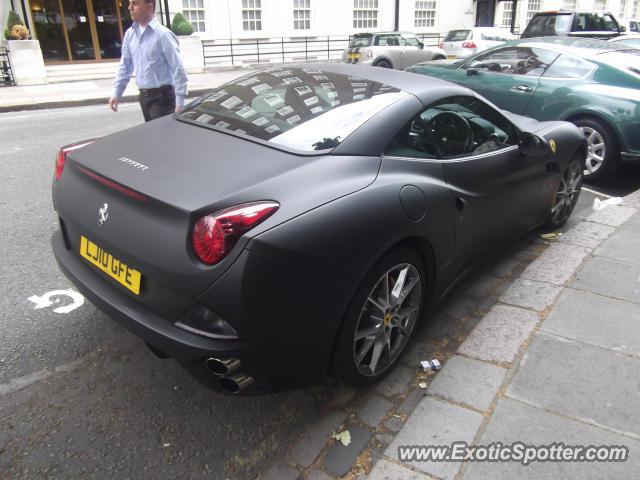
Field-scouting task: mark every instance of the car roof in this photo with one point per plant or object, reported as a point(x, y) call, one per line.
point(426, 89)
point(625, 36)
point(563, 11)
point(583, 47)
point(386, 33)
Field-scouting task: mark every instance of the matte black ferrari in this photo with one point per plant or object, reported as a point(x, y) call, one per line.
point(296, 223)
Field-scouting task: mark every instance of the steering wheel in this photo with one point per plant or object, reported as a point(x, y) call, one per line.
point(524, 66)
point(450, 133)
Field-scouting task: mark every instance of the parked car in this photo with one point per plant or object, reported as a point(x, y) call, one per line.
point(632, 40)
point(267, 240)
point(466, 42)
point(592, 83)
point(591, 24)
point(630, 25)
point(389, 50)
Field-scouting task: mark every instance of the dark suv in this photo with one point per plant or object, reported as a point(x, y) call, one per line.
point(592, 24)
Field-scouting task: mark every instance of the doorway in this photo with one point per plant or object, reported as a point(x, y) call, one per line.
point(80, 30)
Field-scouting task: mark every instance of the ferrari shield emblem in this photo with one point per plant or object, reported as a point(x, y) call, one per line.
point(552, 144)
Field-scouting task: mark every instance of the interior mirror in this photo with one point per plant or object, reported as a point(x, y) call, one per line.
point(532, 145)
point(472, 71)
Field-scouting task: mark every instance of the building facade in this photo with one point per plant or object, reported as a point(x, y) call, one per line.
point(72, 31)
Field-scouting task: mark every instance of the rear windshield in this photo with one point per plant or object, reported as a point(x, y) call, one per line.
point(361, 40)
point(457, 35)
point(546, 25)
point(304, 109)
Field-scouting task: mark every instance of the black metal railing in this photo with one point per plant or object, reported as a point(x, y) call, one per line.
point(294, 49)
point(6, 76)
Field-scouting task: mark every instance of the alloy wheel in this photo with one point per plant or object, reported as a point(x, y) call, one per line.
point(596, 149)
point(387, 319)
point(567, 193)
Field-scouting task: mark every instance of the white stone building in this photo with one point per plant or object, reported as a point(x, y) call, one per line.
point(92, 29)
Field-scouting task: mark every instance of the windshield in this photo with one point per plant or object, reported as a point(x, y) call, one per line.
point(545, 25)
point(299, 108)
point(361, 40)
point(457, 35)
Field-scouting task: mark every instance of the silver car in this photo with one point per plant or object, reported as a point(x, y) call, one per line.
point(390, 50)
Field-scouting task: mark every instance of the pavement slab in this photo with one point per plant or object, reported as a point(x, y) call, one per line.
point(582, 381)
point(340, 458)
point(597, 320)
point(314, 439)
point(622, 246)
point(609, 278)
point(463, 380)
point(500, 334)
point(587, 234)
point(374, 410)
point(613, 216)
point(386, 470)
point(435, 422)
point(513, 421)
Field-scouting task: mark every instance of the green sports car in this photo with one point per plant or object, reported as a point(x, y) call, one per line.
point(592, 83)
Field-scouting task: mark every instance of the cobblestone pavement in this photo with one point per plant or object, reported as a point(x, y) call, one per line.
point(480, 334)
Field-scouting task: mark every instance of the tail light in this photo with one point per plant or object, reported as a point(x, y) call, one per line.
point(61, 158)
point(215, 235)
point(370, 54)
point(468, 45)
point(441, 45)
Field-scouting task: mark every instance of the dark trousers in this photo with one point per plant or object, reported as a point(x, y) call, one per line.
point(157, 102)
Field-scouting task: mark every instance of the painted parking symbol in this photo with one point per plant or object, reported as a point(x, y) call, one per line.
point(53, 297)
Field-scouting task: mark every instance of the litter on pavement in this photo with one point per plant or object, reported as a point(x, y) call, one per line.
point(430, 365)
point(600, 204)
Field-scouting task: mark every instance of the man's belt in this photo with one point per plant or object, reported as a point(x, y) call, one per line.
point(151, 91)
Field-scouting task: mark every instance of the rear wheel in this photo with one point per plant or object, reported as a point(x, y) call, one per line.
point(566, 197)
point(603, 155)
point(381, 318)
point(383, 64)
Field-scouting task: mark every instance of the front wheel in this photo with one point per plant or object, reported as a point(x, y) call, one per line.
point(602, 148)
point(381, 318)
point(383, 64)
point(566, 197)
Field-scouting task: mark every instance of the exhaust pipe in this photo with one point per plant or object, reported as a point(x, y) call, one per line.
point(221, 367)
point(235, 383)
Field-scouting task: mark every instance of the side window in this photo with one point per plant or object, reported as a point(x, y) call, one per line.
point(516, 61)
point(453, 128)
point(568, 67)
point(409, 41)
point(387, 40)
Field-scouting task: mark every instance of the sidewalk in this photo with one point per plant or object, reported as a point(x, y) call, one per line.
point(543, 347)
point(88, 92)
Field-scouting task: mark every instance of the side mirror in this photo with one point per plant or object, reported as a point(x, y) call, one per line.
point(623, 29)
point(472, 71)
point(532, 145)
point(421, 45)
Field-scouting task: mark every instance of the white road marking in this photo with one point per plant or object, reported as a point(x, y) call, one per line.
point(19, 383)
point(597, 193)
point(45, 300)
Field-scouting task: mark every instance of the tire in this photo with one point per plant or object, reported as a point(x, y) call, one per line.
point(384, 325)
point(604, 159)
point(567, 194)
point(439, 57)
point(383, 64)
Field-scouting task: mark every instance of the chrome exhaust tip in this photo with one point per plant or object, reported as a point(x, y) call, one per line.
point(221, 367)
point(235, 383)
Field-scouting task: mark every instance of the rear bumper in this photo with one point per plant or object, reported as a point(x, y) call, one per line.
point(279, 310)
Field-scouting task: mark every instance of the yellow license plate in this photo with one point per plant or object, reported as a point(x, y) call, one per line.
point(120, 272)
point(451, 57)
point(353, 55)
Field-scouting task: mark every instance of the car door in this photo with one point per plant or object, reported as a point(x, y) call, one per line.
point(411, 51)
point(493, 189)
point(508, 76)
point(388, 46)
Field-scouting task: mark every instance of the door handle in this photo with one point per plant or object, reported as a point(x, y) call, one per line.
point(460, 203)
point(523, 88)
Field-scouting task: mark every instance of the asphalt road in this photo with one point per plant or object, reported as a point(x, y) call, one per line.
point(80, 396)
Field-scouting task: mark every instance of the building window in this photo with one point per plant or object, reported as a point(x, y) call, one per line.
point(365, 13)
point(425, 14)
point(301, 14)
point(507, 14)
point(635, 11)
point(193, 11)
point(251, 15)
point(600, 5)
point(570, 4)
point(623, 7)
point(533, 6)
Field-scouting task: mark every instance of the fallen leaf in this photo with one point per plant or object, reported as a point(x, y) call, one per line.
point(344, 437)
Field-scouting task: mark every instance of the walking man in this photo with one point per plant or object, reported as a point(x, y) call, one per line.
point(151, 50)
